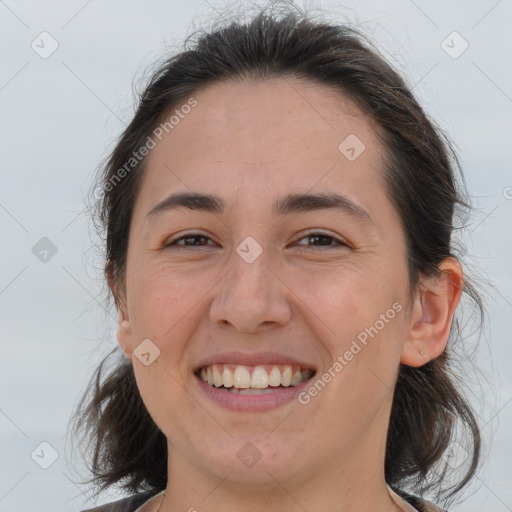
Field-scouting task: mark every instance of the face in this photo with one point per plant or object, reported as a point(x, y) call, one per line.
point(312, 288)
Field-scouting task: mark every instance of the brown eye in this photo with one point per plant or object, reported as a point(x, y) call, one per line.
point(321, 240)
point(188, 241)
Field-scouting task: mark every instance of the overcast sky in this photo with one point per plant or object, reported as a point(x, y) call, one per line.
point(65, 94)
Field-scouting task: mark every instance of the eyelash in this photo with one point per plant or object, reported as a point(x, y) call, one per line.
point(312, 234)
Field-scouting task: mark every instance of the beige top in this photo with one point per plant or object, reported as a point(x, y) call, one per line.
point(426, 506)
point(403, 505)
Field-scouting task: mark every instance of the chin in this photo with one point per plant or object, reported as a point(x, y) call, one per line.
point(247, 463)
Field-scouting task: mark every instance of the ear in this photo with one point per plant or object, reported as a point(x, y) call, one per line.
point(432, 313)
point(124, 333)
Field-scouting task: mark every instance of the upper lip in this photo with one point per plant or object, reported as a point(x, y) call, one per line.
point(254, 359)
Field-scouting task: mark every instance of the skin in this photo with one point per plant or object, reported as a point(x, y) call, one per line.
point(250, 143)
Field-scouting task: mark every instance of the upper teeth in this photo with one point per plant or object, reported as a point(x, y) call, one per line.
point(258, 377)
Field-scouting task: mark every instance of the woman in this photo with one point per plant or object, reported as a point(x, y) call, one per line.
point(278, 217)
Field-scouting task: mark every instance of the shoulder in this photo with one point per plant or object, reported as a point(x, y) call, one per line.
point(130, 504)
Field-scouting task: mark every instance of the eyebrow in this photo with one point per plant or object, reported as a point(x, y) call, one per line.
point(291, 203)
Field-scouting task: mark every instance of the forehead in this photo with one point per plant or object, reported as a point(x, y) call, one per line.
point(249, 140)
point(267, 118)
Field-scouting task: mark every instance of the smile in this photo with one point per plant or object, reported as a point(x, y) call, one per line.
point(253, 380)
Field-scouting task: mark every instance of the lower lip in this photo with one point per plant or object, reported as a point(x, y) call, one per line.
point(262, 402)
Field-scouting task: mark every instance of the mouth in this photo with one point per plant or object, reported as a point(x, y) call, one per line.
point(253, 380)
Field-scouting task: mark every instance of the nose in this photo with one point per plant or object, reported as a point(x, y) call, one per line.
point(252, 296)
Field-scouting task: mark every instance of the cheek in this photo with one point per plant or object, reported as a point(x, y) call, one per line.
point(159, 299)
point(364, 311)
point(352, 300)
point(161, 391)
point(364, 358)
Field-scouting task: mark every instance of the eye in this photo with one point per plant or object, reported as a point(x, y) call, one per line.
point(323, 239)
point(189, 241)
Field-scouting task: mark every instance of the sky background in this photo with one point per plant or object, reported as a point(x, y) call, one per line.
point(60, 115)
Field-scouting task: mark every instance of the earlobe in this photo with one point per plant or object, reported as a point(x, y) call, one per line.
point(432, 314)
point(124, 332)
point(123, 321)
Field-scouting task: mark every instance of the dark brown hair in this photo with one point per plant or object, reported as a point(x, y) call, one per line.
point(422, 176)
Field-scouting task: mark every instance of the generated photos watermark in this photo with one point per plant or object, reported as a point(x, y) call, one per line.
point(342, 361)
point(151, 142)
